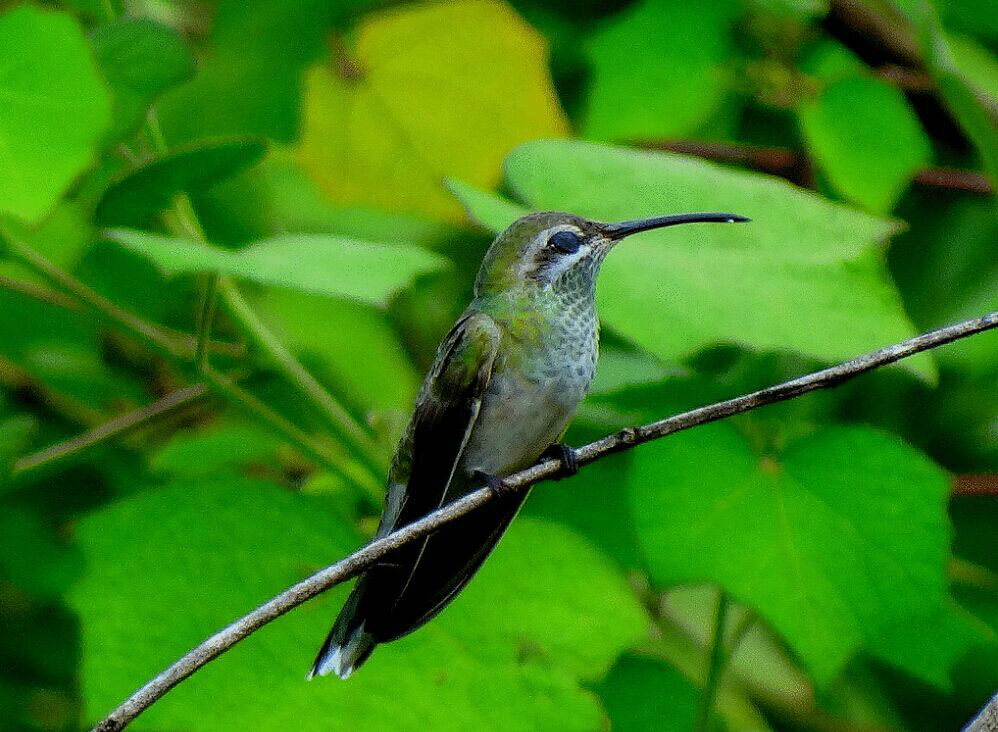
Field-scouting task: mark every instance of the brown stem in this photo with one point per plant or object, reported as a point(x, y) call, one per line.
point(792, 165)
point(171, 403)
point(975, 485)
point(38, 292)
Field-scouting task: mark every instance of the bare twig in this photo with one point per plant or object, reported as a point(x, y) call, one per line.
point(793, 165)
point(987, 719)
point(38, 292)
point(81, 292)
point(363, 558)
point(337, 416)
point(976, 485)
point(172, 402)
point(18, 379)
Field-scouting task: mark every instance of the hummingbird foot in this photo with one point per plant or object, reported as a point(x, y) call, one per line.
point(568, 456)
point(497, 485)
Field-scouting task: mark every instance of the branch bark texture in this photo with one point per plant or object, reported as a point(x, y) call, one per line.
point(625, 439)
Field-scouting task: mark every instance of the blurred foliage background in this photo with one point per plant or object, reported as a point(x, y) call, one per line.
point(316, 181)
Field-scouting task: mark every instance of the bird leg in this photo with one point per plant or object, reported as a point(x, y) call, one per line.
point(568, 456)
point(497, 485)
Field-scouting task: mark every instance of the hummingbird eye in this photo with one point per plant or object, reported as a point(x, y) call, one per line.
point(566, 242)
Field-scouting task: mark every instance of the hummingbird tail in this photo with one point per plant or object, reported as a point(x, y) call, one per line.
point(343, 659)
point(347, 646)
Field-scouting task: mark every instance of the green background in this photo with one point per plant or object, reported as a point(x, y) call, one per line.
point(342, 167)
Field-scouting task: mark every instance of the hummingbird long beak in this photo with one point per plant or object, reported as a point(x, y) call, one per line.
point(626, 228)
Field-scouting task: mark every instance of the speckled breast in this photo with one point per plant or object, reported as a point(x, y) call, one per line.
point(531, 399)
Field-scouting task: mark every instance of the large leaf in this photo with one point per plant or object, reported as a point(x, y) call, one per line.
point(170, 566)
point(53, 108)
point(658, 71)
point(324, 265)
point(429, 91)
point(250, 81)
point(31, 556)
point(866, 139)
point(151, 188)
point(223, 448)
point(646, 695)
point(804, 275)
point(841, 538)
point(140, 60)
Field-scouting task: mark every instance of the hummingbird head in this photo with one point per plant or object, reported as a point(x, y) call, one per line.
point(563, 252)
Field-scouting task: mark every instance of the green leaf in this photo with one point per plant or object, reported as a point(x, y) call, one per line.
point(54, 108)
point(427, 91)
point(297, 205)
point(866, 139)
point(972, 108)
point(151, 188)
point(620, 368)
point(323, 265)
point(971, 16)
point(140, 60)
point(947, 272)
point(658, 70)
point(546, 612)
point(226, 448)
point(250, 81)
point(584, 504)
point(804, 275)
point(977, 64)
point(646, 695)
point(928, 644)
point(841, 537)
point(32, 558)
point(490, 210)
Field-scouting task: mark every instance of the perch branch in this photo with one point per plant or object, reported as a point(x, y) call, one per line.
point(625, 439)
point(987, 719)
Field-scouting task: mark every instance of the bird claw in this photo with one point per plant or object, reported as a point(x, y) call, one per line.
point(568, 456)
point(494, 483)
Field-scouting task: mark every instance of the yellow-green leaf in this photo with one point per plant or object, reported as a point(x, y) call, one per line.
point(441, 89)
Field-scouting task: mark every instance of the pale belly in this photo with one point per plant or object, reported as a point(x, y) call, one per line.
point(520, 417)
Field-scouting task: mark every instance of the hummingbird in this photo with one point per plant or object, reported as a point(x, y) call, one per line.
point(504, 384)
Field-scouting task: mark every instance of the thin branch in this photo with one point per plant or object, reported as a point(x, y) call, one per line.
point(791, 164)
point(18, 379)
point(987, 718)
point(625, 439)
point(206, 316)
point(81, 292)
point(340, 466)
point(172, 402)
point(976, 485)
point(346, 428)
point(38, 292)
